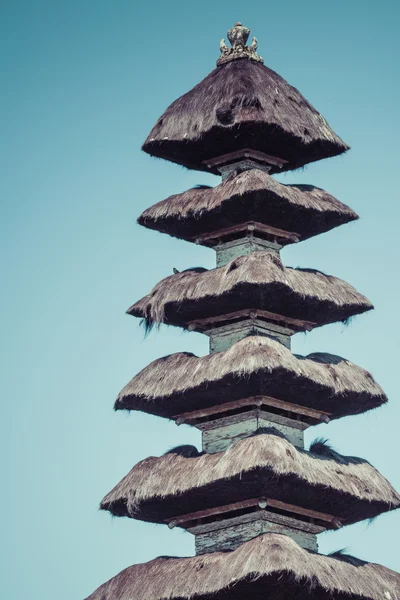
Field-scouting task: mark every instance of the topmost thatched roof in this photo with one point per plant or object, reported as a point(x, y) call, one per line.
point(242, 104)
point(251, 195)
point(270, 566)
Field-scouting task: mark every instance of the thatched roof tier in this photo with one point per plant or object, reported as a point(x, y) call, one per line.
point(251, 195)
point(265, 465)
point(242, 104)
point(256, 365)
point(258, 281)
point(269, 566)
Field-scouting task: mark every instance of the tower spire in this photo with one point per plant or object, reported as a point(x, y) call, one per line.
point(254, 497)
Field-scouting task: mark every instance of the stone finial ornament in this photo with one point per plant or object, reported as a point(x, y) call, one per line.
point(238, 37)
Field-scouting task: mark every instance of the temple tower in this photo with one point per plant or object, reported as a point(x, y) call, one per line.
point(254, 498)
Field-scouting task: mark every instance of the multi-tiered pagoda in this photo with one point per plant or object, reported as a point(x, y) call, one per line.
point(254, 498)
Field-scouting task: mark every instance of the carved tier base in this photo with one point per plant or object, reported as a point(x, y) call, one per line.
point(220, 433)
point(229, 534)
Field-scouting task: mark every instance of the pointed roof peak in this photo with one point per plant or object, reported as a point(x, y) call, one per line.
point(238, 36)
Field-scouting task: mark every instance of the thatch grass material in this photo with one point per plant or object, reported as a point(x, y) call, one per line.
point(242, 105)
point(256, 281)
point(348, 487)
point(271, 566)
point(256, 365)
point(252, 195)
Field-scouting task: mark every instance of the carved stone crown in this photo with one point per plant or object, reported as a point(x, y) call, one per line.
point(238, 37)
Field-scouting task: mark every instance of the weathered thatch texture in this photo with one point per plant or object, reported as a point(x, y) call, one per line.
point(248, 196)
point(267, 465)
point(271, 566)
point(253, 366)
point(242, 105)
point(257, 281)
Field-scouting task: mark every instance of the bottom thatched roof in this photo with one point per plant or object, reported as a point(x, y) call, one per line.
point(271, 566)
point(266, 465)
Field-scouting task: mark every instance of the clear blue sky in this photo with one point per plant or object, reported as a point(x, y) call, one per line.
point(83, 82)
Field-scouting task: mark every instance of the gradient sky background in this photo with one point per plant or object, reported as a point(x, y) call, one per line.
point(83, 82)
